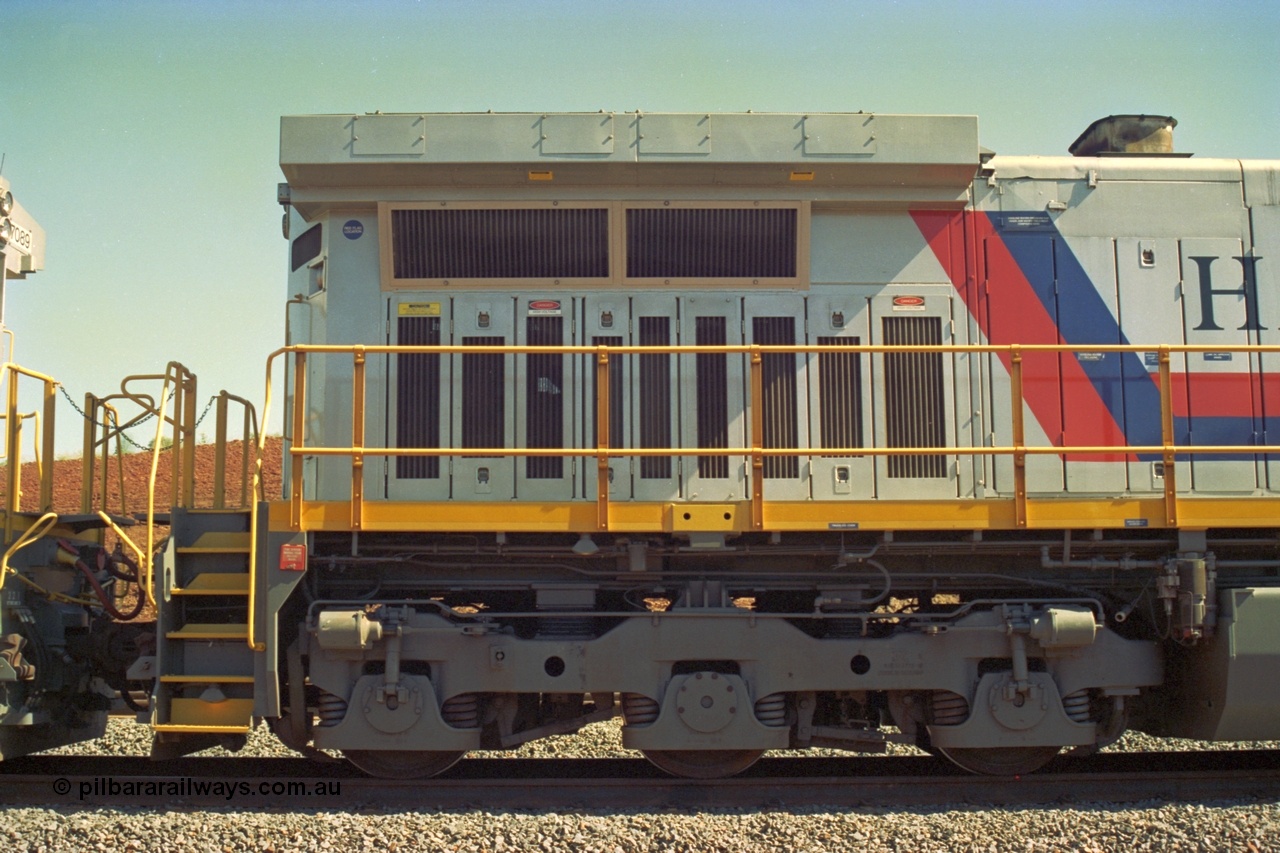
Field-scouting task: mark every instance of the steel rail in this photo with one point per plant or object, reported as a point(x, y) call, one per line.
point(608, 783)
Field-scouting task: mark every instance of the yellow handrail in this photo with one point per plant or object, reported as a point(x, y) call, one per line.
point(249, 439)
point(42, 526)
point(143, 563)
point(1018, 450)
point(10, 374)
point(182, 449)
point(35, 438)
point(111, 428)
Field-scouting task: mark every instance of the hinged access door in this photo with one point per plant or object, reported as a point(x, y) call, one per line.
point(915, 394)
point(1222, 400)
point(644, 408)
point(778, 319)
point(1092, 380)
point(1021, 301)
point(545, 390)
point(840, 396)
point(418, 398)
point(1149, 274)
point(711, 398)
point(483, 396)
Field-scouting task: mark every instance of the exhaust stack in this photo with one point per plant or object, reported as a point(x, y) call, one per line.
point(1129, 134)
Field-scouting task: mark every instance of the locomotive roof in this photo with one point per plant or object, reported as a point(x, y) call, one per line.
point(933, 160)
point(392, 149)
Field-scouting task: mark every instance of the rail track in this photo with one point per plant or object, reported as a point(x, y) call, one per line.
point(275, 783)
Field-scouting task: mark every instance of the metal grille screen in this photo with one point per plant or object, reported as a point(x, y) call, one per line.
point(544, 389)
point(500, 243)
point(840, 387)
point(418, 397)
point(484, 407)
point(713, 396)
point(914, 401)
point(655, 397)
point(711, 243)
point(780, 409)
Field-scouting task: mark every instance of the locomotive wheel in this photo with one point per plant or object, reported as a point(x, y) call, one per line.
point(703, 763)
point(394, 764)
point(1001, 760)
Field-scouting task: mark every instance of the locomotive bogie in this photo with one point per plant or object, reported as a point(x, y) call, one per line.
point(754, 686)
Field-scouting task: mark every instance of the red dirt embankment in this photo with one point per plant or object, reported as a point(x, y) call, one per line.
point(136, 467)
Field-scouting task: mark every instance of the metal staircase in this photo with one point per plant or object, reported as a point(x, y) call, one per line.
point(202, 672)
point(204, 667)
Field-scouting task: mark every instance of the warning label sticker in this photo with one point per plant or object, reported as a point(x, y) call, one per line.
point(419, 309)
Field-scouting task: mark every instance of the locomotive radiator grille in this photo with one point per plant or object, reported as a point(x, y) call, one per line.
point(418, 398)
point(780, 406)
point(484, 410)
point(711, 243)
point(545, 386)
point(840, 394)
point(500, 243)
point(655, 397)
point(914, 397)
point(713, 396)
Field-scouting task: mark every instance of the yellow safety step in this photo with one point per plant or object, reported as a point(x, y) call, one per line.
point(216, 583)
point(205, 631)
point(230, 716)
point(207, 679)
point(218, 542)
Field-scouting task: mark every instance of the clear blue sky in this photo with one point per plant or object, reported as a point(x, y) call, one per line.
point(143, 135)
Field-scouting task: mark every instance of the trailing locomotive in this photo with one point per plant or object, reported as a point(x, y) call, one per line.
point(762, 431)
point(62, 641)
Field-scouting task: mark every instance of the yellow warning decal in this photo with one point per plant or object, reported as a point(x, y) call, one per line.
point(419, 309)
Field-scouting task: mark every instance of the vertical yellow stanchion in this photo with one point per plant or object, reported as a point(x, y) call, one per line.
point(46, 451)
point(602, 438)
point(13, 454)
point(357, 439)
point(757, 439)
point(188, 430)
point(1167, 440)
point(1019, 439)
point(248, 439)
point(111, 426)
point(299, 424)
point(87, 455)
point(220, 455)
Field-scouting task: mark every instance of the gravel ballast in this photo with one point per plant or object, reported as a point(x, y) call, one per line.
point(1154, 826)
point(1225, 825)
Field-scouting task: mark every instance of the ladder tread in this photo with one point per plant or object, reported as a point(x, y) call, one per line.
point(208, 631)
point(218, 542)
point(216, 583)
point(230, 716)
